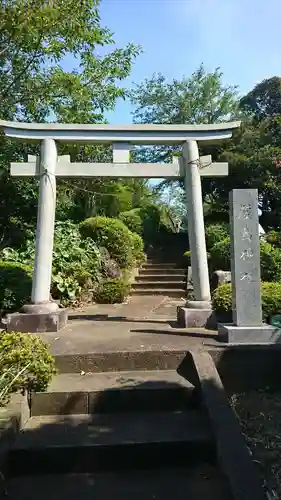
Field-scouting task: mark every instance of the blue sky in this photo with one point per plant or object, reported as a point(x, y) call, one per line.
point(242, 37)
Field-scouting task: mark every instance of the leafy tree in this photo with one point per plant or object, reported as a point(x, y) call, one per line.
point(200, 98)
point(264, 101)
point(36, 38)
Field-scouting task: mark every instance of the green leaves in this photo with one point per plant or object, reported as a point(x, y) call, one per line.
point(201, 98)
point(25, 364)
point(264, 101)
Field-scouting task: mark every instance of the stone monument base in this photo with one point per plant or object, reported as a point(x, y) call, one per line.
point(37, 318)
point(264, 334)
point(196, 314)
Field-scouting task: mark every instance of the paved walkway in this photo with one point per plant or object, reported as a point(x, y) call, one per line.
point(143, 323)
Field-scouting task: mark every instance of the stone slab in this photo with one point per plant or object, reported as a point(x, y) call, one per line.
point(180, 483)
point(73, 393)
point(232, 334)
point(196, 318)
point(37, 323)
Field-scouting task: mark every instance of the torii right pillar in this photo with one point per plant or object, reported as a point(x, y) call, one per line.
point(197, 312)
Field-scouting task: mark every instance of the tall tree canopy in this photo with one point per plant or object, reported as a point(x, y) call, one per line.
point(200, 98)
point(254, 153)
point(264, 101)
point(36, 38)
point(39, 39)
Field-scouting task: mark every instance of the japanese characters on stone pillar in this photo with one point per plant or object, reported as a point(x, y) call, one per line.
point(247, 327)
point(245, 257)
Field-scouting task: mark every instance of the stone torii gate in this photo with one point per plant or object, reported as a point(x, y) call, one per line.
point(44, 315)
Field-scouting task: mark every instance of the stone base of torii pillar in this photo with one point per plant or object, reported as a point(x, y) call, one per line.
point(37, 318)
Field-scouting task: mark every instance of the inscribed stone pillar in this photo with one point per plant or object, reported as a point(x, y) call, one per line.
point(245, 257)
point(247, 326)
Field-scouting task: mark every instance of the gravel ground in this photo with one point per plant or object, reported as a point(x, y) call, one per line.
point(259, 413)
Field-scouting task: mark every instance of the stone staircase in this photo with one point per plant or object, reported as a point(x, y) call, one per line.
point(125, 433)
point(160, 279)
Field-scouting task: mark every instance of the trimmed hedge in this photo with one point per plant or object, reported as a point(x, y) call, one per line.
point(270, 293)
point(113, 235)
point(25, 364)
point(112, 291)
point(15, 286)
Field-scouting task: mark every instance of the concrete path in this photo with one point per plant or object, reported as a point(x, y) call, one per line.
point(143, 323)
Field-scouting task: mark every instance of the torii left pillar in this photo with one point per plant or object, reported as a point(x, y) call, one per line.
point(42, 314)
point(198, 312)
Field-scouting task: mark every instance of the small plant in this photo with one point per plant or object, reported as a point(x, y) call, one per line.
point(274, 238)
point(112, 291)
point(25, 364)
point(186, 259)
point(222, 299)
point(8, 379)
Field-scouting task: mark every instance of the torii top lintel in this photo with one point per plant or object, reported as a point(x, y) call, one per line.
point(104, 133)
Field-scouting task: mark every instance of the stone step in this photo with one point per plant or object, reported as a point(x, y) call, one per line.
point(122, 441)
point(167, 292)
point(160, 271)
point(139, 285)
point(120, 361)
point(183, 483)
point(179, 278)
point(73, 393)
point(160, 265)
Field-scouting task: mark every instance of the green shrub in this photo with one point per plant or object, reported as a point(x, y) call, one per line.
point(112, 291)
point(270, 294)
point(138, 248)
point(270, 262)
point(15, 286)
point(25, 364)
point(220, 255)
point(113, 235)
point(76, 263)
point(132, 220)
point(270, 259)
point(215, 233)
point(222, 299)
point(271, 299)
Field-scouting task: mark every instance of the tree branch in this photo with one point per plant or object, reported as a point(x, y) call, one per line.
point(21, 73)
